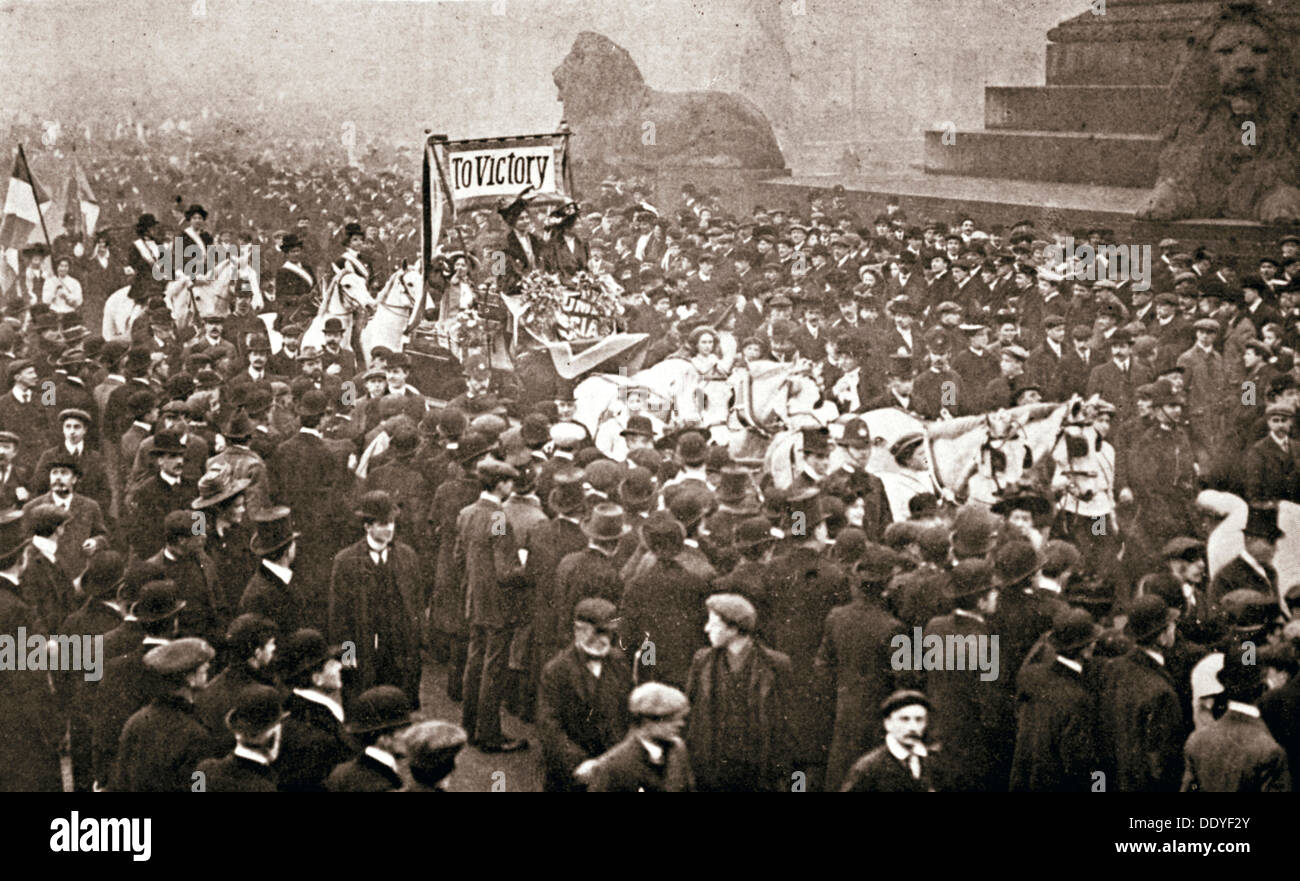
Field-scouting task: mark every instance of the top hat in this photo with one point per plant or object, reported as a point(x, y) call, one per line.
point(734, 488)
point(1262, 523)
point(273, 530)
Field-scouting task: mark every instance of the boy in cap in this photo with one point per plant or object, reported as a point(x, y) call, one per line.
point(738, 736)
point(163, 741)
point(431, 750)
point(653, 756)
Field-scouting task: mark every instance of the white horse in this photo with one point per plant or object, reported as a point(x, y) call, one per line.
point(770, 397)
point(344, 297)
point(1226, 542)
point(667, 392)
point(189, 299)
point(394, 303)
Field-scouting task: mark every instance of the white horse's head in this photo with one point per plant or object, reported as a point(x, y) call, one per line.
point(1003, 445)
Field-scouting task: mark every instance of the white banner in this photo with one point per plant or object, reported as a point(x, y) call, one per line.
point(501, 171)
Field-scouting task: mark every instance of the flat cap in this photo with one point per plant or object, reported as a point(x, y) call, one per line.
point(654, 700)
point(734, 609)
point(903, 698)
point(595, 610)
point(179, 656)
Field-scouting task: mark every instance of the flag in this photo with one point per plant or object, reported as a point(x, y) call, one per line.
point(20, 221)
point(438, 212)
point(87, 206)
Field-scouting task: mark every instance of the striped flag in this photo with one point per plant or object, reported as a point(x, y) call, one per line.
point(438, 212)
point(81, 199)
point(20, 221)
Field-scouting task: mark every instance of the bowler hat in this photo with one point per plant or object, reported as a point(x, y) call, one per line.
point(63, 459)
point(970, 578)
point(377, 506)
point(313, 403)
point(639, 425)
point(158, 601)
point(273, 530)
point(1073, 629)
point(692, 448)
point(382, 708)
point(247, 633)
point(637, 488)
point(753, 532)
point(663, 535)
point(167, 443)
point(304, 649)
point(1147, 616)
point(566, 496)
point(605, 523)
point(103, 573)
point(1014, 562)
point(735, 486)
point(289, 242)
point(257, 708)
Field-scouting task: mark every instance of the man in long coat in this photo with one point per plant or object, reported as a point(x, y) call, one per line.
point(373, 603)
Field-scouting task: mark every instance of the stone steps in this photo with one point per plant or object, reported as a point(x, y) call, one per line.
point(1080, 109)
point(1118, 160)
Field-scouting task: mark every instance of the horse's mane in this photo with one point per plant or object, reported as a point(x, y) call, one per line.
point(952, 428)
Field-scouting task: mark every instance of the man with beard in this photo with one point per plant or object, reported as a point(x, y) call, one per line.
point(84, 531)
point(582, 708)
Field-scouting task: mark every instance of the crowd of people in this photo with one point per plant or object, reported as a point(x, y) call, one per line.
point(211, 504)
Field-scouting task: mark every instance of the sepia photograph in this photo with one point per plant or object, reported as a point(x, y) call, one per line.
point(782, 396)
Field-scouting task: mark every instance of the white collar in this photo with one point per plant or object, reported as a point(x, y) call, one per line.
point(966, 613)
point(376, 549)
point(1071, 663)
point(284, 573)
point(18, 397)
point(384, 758)
point(319, 697)
point(244, 752)
point(486, 496)
point(47, 546)
point(1244, 709)
point(168, 479)
point(1155, 656)
point(312, 431)
point(144, 425)
point(903, 752)
point(653, 750)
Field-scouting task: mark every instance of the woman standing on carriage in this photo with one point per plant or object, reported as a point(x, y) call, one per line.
point(565, 254)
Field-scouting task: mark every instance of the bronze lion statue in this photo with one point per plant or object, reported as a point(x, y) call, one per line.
point(1232, 137)
point(618, 120)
